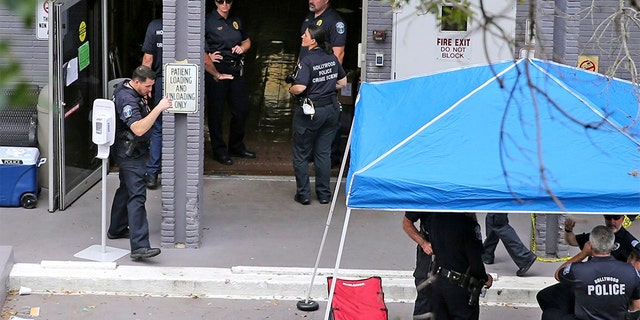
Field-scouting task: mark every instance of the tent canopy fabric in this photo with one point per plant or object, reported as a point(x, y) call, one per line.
point(505, 137)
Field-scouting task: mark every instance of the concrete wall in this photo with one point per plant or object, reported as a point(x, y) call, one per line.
point(608, 47)
point(25, 48)
point(183, 163)
point(379, 17)
point(565, 29)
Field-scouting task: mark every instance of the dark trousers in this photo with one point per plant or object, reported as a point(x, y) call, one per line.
point(155, 147)
point(336, 144)
point(128, 208)
point(421, 274)
point(557, 302)
point(313, 135)
point(450, 301)
point(498, 229)
point(217, 93)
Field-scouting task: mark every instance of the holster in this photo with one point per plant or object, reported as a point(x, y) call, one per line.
point(474, 291)
point(131, 143)
point(464, 280)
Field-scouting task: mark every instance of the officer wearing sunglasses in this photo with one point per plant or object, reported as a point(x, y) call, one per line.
point(623, 238)
point(558, 299)
point(225, 46)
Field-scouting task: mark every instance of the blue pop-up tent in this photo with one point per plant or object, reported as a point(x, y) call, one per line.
point(518, 136)
point(524, 136)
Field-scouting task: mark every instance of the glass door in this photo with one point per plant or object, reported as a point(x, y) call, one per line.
point(78, 79)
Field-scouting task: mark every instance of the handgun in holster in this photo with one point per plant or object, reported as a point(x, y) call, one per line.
point(131, 143)
point(475, 289)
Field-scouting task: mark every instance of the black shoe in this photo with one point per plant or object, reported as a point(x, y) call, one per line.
point(143, 253)
point(243, 154)
point(526, 267)
point(122, 235)
point(152, 180)
point(224, 160)
point(301, 199)
point(323, 200)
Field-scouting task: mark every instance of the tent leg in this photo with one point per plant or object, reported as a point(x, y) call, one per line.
point(307, 304)
point(338, 258)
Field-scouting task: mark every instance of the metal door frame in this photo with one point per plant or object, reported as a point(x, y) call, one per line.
point(59, 198)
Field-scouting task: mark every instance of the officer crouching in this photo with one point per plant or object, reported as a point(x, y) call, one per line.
point(459, 274)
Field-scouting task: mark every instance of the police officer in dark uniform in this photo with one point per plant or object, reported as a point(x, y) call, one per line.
point(604, 288)
point(459, 272)
point(424, 252)
point(624, 240)
point(318, 76)
point(558, 300)
point(224, 35)
point(134, 119)
point(498, 229)
point(321, 14)
point(152, 58)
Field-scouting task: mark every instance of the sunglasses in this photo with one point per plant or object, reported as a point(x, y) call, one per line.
point(611, 217)
point(223, 1)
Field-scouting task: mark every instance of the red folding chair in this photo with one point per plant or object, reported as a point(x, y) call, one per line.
point(360, 299)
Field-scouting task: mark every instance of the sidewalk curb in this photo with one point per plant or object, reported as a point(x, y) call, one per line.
point(6, 264)
point(241, 282)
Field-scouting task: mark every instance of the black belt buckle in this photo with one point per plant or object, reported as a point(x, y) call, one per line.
point(454, 277)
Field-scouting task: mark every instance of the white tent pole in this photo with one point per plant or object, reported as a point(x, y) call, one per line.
point(338, 258)
point(331, 210)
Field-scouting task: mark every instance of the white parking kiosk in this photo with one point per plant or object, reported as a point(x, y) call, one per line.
point(103, 121)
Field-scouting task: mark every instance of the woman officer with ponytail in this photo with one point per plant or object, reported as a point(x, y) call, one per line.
point(318, 75)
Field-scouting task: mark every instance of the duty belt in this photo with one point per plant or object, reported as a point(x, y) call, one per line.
point(323, 102)
point(231, 62)
point(460, 279)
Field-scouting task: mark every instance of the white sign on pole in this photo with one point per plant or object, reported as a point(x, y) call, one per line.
point(42, 20)
point(181, 86)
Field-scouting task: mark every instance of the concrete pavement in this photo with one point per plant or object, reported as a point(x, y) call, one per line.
point(257, 244)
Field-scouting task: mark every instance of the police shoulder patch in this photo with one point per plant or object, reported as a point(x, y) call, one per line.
point(340, 28)
point(127, 111)
point(566, 269)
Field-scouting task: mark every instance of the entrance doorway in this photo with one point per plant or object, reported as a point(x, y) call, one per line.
point(274, 29)
point(76, 79)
